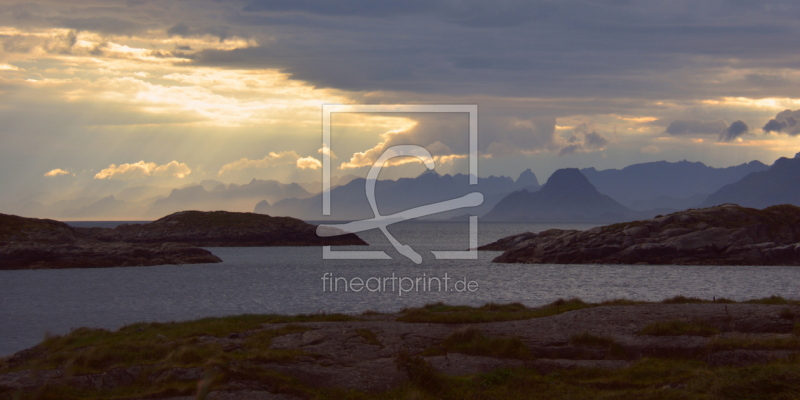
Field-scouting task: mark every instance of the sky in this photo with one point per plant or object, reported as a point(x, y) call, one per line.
point(99, 96)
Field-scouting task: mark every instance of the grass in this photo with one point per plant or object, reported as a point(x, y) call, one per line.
point(679, 328)
point(369, 336)
point(158, 348)
point(447, 314)
point(87, 350)
point(746, 342)
point(646, 379)
point(441, 313)
point(774, 300)
point(615, 350)
point(472, 341)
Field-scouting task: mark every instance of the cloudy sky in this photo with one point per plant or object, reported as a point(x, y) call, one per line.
point(96, 96)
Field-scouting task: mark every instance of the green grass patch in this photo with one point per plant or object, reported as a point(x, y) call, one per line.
point(86, 350)
point(678, 328)
point(774, 300)
point(649, 379)
point(369, 336)
point(754, 343)
point(447, 314)
point(452, 314)
point(615, 350)
point(474, 342)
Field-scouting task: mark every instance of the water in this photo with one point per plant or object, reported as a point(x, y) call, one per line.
point(289, 280)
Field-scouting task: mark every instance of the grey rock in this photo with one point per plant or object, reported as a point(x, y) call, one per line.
point(722, 235)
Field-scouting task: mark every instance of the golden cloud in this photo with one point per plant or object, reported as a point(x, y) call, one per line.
point(270, 160)
point(143, 169)
point(309, 163)
point(56, 172)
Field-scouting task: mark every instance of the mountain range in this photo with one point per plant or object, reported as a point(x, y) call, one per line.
point(636, 191)
point(780, 184)
point(349, 202)
point(662, 184)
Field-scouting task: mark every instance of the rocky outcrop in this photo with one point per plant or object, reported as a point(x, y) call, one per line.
point(29, 243)
point(222, 229)
point(361, 354)
point(722, 235)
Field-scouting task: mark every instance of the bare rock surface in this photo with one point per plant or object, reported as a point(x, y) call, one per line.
point(721, 235)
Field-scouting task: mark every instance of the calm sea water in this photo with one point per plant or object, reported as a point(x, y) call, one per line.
point(289, 280)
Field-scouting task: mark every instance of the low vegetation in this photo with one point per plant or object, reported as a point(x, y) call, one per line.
point(679, 328)
point(748, 342)
point(646, 379)
point(472, 341)
point(157, 351)
point(173, 344)
point(369, 336)
point(615, 350)
point(448, 314)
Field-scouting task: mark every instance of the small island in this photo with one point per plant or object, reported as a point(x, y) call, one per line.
point(723, 235)
point(31, 243)
point(223, 229)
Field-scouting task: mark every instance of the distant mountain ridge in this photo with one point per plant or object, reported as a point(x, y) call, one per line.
point(639, 185)
point(349, 202)
point(780, 184)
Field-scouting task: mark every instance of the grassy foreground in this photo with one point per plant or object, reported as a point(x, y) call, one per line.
point(155, 351)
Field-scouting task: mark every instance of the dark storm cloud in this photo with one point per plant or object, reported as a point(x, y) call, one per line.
point(543, 48)
point(696, 126)
point(184, 30)
point(594, 140)
point(107, 25)
point(786, 121)
point(737, 128)
point(635, 49)
point(571, 149)
point(468, 13)
point(584, 139)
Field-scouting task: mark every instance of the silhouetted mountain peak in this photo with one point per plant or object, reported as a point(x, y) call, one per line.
point(527, 178)
point(569, 181)
point(428, 172)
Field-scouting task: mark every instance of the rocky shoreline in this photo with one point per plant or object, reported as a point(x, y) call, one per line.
point(721, 235)
point(30, 243)
point(303, 357)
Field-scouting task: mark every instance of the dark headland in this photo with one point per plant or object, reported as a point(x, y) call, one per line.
point(223, 229)
point(723, 235)
point(30, 243)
